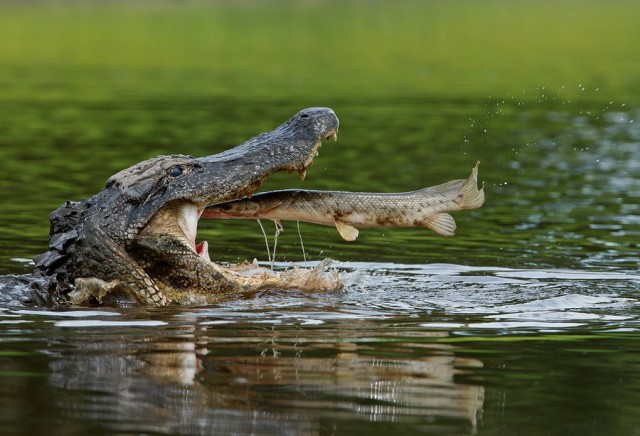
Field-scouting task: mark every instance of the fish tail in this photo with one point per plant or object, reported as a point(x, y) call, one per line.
point(472, 197)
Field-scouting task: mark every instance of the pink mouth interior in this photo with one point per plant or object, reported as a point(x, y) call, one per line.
point(188, 222)
point(203, 250)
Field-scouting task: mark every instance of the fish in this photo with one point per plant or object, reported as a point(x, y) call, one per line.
point(346, 210)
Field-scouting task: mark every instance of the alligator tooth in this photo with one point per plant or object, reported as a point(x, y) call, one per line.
point(334, 136)
point(302, 174)
point(202, 249)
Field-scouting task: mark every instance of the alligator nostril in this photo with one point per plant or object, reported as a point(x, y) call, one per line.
point(304, 116)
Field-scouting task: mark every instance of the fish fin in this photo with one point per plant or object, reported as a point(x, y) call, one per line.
point(472, 197)
point(348, 232)
point(442, 223)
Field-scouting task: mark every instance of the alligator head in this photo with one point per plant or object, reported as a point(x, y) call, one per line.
point(137, 236)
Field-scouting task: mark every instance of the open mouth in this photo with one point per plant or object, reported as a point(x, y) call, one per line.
point(187, 221)
point(179, 219)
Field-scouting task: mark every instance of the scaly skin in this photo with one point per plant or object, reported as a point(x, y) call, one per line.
point(124, 240)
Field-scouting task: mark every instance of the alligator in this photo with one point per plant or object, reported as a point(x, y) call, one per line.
point(135, 241)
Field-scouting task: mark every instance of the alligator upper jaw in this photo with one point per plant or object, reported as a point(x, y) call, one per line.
point(179, 218)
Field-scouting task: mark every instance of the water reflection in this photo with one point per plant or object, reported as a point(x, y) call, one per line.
point(260, 379)
point(438, 348)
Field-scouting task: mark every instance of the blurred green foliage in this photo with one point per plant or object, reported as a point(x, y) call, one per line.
point(254, 49)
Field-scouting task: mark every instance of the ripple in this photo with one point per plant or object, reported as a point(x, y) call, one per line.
point(524, 325)
point(560, 316)
point(67, 314)
point(100, 323)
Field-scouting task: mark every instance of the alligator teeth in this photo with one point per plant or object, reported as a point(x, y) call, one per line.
point(188, 222)
point(202, 249)
point(333, 136)
point(302, 174)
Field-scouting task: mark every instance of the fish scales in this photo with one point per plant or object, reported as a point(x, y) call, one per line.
point(345, 210)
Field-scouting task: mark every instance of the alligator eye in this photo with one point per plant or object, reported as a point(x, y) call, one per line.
point(175, 171)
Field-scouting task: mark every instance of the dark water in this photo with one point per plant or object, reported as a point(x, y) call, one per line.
point(526, 322)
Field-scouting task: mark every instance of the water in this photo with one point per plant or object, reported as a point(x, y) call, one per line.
point(526, 319)
point(434, 348)
point(526, 322)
